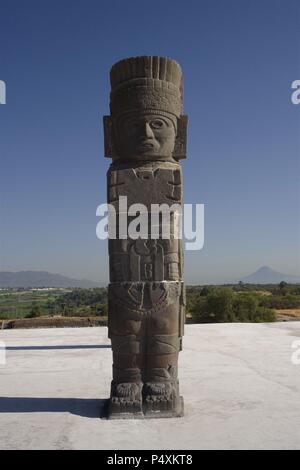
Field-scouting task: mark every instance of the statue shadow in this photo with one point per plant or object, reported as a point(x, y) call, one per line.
point(57, 347)
point(85, 407)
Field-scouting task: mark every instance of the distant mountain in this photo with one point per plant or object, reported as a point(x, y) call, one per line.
point(266, 275)
point(42, 279)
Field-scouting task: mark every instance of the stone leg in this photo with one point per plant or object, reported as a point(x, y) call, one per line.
point(161, 387)
point(126, 386)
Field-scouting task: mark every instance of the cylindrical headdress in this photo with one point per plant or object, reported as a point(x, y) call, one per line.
point(146, 83)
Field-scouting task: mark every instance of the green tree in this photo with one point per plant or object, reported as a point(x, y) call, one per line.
point(282, 284)
point(35, 311)
point(245, 306)
point(283, 288)
point(219, 306)
point(206, 290)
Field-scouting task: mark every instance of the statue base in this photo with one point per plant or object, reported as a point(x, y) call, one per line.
point(169, 409)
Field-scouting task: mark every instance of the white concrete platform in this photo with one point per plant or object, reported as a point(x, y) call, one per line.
point(240, 387)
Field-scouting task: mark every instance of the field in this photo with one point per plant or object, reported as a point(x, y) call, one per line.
point(52, 306)
point(18, 303)
point(288, 314)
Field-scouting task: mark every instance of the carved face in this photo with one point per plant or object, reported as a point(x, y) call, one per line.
point(145, 136)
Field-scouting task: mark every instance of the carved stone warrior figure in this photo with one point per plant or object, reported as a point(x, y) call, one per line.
point(145, 135)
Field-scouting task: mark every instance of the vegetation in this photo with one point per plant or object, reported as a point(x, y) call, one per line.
point(230, 303)
point(81, 302)
point(18, 303)
point(36, 311)
point(222, 304)
point(32, 303)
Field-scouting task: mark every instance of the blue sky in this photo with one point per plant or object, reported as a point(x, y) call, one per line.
point(239, 59)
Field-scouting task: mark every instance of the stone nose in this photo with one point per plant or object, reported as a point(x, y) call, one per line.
point(146, 131)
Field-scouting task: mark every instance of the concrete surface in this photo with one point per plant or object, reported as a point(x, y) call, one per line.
point(241, 391)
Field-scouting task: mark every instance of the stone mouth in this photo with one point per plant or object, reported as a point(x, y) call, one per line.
point(146, 146)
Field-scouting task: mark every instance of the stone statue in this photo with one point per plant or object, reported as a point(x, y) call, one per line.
point(145, 135)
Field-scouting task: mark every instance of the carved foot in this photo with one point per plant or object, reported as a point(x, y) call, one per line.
point(156, 391)
point(160, 399)
point(125, 400)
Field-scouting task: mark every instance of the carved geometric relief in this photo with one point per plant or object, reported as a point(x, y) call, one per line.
point(179, 152)
point(131, 302)
point(145, 260)
point(108, 137)
point(152, 185)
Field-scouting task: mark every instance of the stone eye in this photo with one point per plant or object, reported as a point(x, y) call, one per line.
point(131, 127)
point(135, 124)
point(157, 124)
